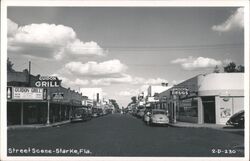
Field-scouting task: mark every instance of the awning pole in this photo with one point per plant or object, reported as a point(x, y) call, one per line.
point(21, 113)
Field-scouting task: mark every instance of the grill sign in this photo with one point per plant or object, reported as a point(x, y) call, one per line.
point(24, 93)
point(47, 81)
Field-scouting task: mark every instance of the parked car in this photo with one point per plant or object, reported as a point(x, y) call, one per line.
point(140, 113)
point(237, 119)
point(100, 112)
point(80, 114)
point(94, 112)
point(134, 111)
point(159, 116)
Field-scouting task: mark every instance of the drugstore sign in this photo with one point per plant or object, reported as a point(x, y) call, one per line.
point(26, 93)
point(179, 91)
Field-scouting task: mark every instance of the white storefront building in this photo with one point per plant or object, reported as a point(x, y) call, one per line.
point(212, 98)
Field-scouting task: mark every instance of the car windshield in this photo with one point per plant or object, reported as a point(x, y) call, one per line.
point(159, 112)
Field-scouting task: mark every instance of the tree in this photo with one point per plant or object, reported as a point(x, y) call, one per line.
point(216, 69)
point(133, 99)
point(241, 69)
point(114, 103)
point(10, 66)
point(230, 68)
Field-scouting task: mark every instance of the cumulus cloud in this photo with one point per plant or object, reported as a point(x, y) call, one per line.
point(72, 83)
point(125, 93)
point(129, 92)
point(124, 78)
point(105, 73)
point(12, 27)
point(48, 41)
point(156, 81)
point(143, 87)
point(191, 63)
point(128, 79)
point(107, 68)
point(235, 21)
point(78, 48)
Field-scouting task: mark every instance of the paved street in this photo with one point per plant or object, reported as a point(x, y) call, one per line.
point(123, 135)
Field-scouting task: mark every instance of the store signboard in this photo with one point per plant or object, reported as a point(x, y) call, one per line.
point(25, 93)
point(48, 81)
point(179, 91)
point(58, 96)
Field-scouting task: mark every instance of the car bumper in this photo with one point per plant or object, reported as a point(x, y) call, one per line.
point(159, 122)
point(76, 119)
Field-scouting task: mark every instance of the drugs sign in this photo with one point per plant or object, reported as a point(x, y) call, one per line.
point(179, 91)
point(25, 93)
point(48, 81)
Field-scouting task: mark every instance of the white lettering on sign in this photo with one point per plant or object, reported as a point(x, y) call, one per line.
point(26, 93)
point(47, 81)
point(180, 91)
point(48, 78)
point(47, 84)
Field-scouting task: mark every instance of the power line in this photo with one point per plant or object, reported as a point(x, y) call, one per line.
point(174, 47)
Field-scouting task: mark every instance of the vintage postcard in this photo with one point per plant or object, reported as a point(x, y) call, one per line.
point(128, 80)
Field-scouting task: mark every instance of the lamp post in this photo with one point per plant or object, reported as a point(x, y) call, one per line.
point(48, 109)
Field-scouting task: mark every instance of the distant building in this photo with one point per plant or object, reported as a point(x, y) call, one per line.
point(154, 90)
point(87, 102)
point(95, 94)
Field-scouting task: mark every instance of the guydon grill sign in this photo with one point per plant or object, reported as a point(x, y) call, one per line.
point(47, 81)
point(25, 93)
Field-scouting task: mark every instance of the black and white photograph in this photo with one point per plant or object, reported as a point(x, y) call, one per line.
point(125, 81)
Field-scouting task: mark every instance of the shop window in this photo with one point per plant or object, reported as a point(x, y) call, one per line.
point(188, 107)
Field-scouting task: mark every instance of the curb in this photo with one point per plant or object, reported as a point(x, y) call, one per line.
point(206, 127)
point(37, 126)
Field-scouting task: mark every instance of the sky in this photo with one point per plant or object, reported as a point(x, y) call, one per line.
point(124, 49)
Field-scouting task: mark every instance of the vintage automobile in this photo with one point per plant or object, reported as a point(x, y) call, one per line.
point(159, 116)
point(94, 112)
point(140, 112)
point(100, 112)
point(237, 120)
point(80, 114)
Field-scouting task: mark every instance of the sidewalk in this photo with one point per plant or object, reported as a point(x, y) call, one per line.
point(36, 126)
point(211, 126)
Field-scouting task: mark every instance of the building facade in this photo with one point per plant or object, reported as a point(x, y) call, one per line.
point(209, 98)
point(28, 104)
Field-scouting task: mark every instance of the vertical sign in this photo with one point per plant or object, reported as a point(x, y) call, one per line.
point(44, 94)
point(9, 92)
point(97, 95)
